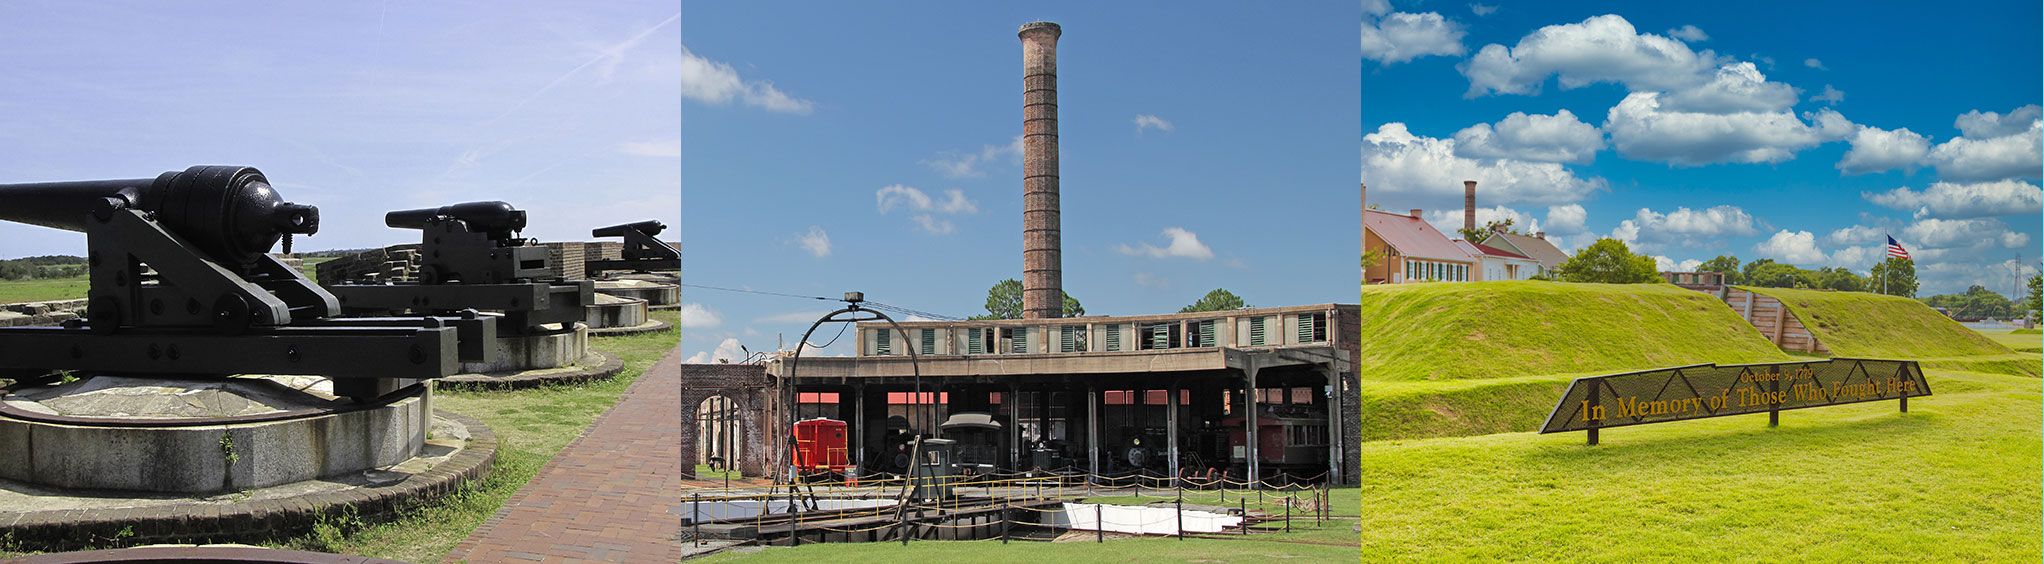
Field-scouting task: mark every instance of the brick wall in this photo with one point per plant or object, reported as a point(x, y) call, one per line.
point(750, 388)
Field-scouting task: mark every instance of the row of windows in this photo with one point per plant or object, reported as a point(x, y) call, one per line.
point(1312, 328)
point(1426, 270)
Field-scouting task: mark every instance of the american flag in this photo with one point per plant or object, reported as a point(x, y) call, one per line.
point(1895, 249)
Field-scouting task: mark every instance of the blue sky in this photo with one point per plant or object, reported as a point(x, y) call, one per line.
point(799, 117)
point(567, 110)
point(1798, 131)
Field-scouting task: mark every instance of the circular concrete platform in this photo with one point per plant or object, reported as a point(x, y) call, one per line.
point(596, 365)
point(612, 312)
point(200, 435)
point(657, 295)
point(651, 325)
point(458, 449)
point(557, 346)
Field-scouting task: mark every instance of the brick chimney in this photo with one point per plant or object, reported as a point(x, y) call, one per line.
point(1415, 213)
point(1043, 294)
point(1541, 235)
point(1469, 205)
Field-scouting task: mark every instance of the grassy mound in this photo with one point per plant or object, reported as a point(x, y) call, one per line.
point(1859, 324)
point(1955, 479)
point(1510, 329)
point(1442, 360)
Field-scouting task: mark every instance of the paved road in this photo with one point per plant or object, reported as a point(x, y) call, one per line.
point(610, 496)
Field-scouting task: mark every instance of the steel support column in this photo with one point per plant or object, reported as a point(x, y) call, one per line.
point(1171, 432)
point(858, 427)
point(1249, 438)
point(1092, 430)
point(1335, 412)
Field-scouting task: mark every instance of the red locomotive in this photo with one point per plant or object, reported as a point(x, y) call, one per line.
point(820, 446)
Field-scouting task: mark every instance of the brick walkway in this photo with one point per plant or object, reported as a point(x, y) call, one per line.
point(610, 496)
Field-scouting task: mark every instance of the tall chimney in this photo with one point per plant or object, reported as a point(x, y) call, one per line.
point(1469, 206)
point(1043, 294)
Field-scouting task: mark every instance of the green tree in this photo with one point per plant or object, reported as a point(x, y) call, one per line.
point(1493, 226)
point(1766, 273)
point(1217, 300)
point(1609, 261)
point(1004, 301)
point(1977, 302)
point(1840, 279)
point(1894, 277)
point(1723, 264)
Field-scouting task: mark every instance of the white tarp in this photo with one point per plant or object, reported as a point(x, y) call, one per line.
point(1143, 519)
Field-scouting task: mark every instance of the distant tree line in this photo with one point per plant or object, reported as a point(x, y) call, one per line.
point(40, 267)
point(1899, 276)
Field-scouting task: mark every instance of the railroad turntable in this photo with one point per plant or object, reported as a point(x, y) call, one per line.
point(211, 392)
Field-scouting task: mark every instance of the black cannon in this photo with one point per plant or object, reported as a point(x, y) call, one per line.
point(471, 257)
point(643, 250)
point(181, 283)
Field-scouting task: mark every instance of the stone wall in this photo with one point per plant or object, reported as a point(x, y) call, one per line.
point(750, 388)
point(38, 314)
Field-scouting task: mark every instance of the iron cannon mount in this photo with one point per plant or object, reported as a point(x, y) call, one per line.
point(471, 258)
point(643, 251)
point(182, 285)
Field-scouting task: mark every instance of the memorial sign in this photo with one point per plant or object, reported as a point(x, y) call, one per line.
point(1710, 390)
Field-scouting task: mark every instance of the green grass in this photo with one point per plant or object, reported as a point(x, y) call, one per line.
point(1509, 329)
point(1955, 479)
point(42, 290)
point(1860, 324)
point(1446, 360)
point(2017, 340)
point(531, 426)
point(1332, 541)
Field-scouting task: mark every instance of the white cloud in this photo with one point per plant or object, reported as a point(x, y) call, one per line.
point(1183, 244)
point(816, 241)
point(727, 351)
point(1567, 218)
point(1448, 221)
point(2019, 154)
point(1814, 63)
point(1960, 200)
point(1856, 234)
point(1641, 129)
point(1482, 10)
point(1689, 33)
point(1600, 49)
point(1539, 138)
point(1982, 125)
point(1685, 226)
point(1665, 264)
point(1799, 248)
point(2015, 239)
point(1934, 233)
point(1147, 121)
point(1830, 96)
point(711, 82)
point(954, 164)
point(924, 208)
point(1737, 87)
point(1376, 7)
point(1876, 150)
point(1398, 162)
point(1400, 36)
point(695, 316)
point(663, 149)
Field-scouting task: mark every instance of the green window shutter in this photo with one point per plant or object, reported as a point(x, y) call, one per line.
point(880, 342)
point(1306, 328)
point(1019, 344)
point(1160, 337)
point(1256, 331)
point(1206, 333)
point(929, 341)
point(1064, 339)
point(1114, 337)
point(975, 341)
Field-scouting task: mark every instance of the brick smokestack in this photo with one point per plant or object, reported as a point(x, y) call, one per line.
point(1469, 205)
point(1043, 293)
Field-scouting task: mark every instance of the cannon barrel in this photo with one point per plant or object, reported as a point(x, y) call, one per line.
point(480, 216)
point(230, 213)
point(649, 227)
